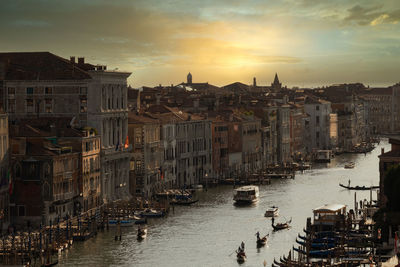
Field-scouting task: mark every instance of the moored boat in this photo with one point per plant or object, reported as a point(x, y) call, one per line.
point(152, 213)
point(246, 194)
point(272, 212)
point(123, 223)
point(183, 200)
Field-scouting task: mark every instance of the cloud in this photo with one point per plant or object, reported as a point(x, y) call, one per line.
point(373, 15)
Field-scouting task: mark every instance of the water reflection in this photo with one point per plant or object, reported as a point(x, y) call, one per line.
point(207, 233)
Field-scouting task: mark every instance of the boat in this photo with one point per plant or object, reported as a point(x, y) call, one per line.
point(240, 256)
point(152, 213)
point(142, 232)
point(317, 253)
point(316, 245)
point(139, 220)
point(359, 187)
point(246, 194)
point(183, 200)
point(272, 212)
point(54, 263)
point(349, 165)
point(123, 223)
point(280, 226)
point(261, 241)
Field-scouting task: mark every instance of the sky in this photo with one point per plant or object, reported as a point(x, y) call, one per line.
point(307, 42)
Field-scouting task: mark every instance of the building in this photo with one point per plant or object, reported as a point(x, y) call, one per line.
point(64, 158)
point(284, 153)
point(4, 172)
point(146, 177)
point(386, 161)
point(44, 175)
point(187, 141)
point(220, 155)
point(319, 113)
point(383, 105)
point(41, 84)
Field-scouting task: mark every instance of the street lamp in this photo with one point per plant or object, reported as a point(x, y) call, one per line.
point(206, 175)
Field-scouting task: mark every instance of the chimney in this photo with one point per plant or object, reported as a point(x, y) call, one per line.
point(72, 60)
point(81, 60)
point(254, 82)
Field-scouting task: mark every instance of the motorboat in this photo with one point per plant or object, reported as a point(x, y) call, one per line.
point(121, 222)
point(152, 213)
point(246, 194)
point(272, 212)
point(349, 165)
point(142, 232)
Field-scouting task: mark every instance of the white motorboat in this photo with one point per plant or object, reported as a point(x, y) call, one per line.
point(272, 212)
point(246, 194)
point(349, 165)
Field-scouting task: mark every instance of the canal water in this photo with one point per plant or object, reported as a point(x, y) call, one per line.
point(207, 233)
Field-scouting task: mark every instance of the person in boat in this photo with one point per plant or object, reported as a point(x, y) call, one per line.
point(242, 246)
point(349, 183)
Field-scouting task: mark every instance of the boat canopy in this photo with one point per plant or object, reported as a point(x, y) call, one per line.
point(247, 188)
point(331, 208)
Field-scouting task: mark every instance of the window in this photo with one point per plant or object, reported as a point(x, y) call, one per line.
point(29, 90)
point(83, 104)
point(11, 105)
point(316, 107)
point(29, 105)
point(317, 120)
point(48, 90)
point(11, 92)
point(48, 105)
point(83, 90)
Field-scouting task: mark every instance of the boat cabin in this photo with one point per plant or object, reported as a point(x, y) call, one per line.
point(329, 217)
point(246, 194)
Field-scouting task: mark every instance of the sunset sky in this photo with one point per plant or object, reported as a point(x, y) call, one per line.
point(307, 42)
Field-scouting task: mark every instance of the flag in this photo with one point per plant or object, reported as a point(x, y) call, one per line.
point(10, 188)
point(126, 142)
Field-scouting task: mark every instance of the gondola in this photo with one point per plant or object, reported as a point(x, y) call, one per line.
point(280, 226)
point(183, 202)
point(240, 256)
point(323, 253)
point(359, 187)
point(54, 263)
point(314, 245)
point(262, 241)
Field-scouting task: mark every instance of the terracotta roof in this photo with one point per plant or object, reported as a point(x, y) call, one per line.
point(142, 118)
point(40, 66)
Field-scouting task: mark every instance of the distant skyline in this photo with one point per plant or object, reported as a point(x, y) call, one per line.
point(307, 42)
